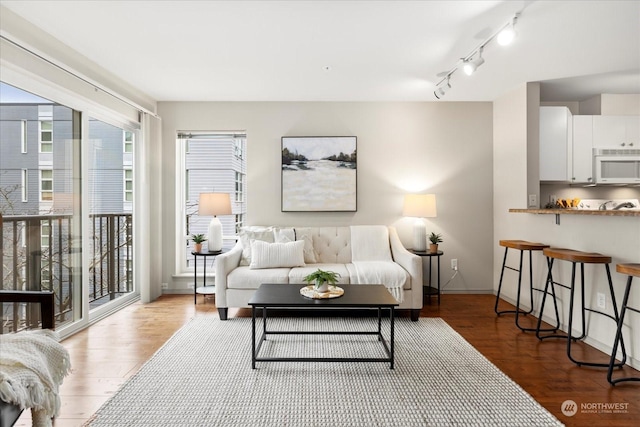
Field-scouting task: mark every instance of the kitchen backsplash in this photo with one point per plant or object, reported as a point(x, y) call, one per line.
point(563, 191)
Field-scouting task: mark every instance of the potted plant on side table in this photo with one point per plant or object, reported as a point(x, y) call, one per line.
point(198, 239)
point(434, 239)
point(322, 279)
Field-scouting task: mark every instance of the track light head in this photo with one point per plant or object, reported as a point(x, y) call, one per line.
point(508, 33)
point(442, 89)
point(469, 66)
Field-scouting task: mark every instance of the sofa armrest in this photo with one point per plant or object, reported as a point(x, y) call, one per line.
point(410, 262)
point(225, 264)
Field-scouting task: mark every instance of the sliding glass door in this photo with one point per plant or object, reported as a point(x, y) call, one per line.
point(66, 209)
point(40, 205)
point(109, 180)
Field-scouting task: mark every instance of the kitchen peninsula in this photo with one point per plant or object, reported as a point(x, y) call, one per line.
point(570, 211)
point(614, 233)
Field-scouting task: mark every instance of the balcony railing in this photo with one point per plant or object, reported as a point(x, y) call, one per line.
point(42, 252)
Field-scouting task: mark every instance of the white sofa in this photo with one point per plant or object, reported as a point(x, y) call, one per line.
point(376, 254)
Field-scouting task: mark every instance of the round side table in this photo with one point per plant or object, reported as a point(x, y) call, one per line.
point(431, 290)
point(204, 289)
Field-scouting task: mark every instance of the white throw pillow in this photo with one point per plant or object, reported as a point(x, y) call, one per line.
point(285, 235)
point(249, 235)
point(274, 255)
point(309, 253)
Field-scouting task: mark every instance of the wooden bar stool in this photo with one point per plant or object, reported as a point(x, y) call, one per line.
point(522, 246)
point(582, 258)
point(631, 270)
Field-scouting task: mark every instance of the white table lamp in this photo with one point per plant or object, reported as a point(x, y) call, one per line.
point(420, 206)
point(214, 204)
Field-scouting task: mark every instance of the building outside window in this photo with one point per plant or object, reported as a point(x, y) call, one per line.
point(45, 235)
point(46, 185)
point(23, 136)
point(239, 187)
point(46, 136)
point(128, 141)
point(25, 185)
point(128, 185)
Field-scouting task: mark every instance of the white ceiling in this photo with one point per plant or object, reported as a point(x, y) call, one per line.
point(375, 50)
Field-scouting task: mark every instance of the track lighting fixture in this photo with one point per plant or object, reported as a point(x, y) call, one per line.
point(469, 66)
point(507, 34)
point(442, 89)
point(473, 60)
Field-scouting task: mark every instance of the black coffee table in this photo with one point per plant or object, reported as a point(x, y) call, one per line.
point(355, 296)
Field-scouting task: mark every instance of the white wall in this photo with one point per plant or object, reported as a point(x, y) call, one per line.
point(441, 148)
point(618, 237)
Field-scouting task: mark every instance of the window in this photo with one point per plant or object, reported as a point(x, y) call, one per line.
point(25, 185)
point(23, 136)
point(239, 187)
point(239, 222)
point(128, 141)
point(45, 231)
point(209, 162)
point(128, 185)
point(46, 136)
point(239, 147)
point(46, 185)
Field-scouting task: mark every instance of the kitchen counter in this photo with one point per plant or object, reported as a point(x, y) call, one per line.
point(621, 212)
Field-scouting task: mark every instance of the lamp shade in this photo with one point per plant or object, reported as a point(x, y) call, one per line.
point(420, 205)
point(214, 204)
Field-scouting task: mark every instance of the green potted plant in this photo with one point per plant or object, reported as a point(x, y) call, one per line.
point(322, 279)
point(198, 239)
point(434, 239)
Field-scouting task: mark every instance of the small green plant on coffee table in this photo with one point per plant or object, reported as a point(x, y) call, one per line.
point(320, 277)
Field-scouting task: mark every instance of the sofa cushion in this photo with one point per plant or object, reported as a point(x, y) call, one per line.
point(247, 234)
point(332, 245)
point(245, 278)
point(298, 273)
point(273, 255)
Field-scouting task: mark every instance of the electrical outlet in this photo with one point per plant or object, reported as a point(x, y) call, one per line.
point(533, 200)
point(601, 302)
point(553, 198)
point(165, 286)
point(454, 264)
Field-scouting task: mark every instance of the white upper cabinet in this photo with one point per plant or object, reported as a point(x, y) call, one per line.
point(616, 132)
point(582, 150)
point(555, 134)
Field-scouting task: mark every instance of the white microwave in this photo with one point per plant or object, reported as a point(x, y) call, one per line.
point(617, 166)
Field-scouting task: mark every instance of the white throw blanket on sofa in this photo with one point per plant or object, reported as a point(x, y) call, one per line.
point(32, 367)
point(371, 256)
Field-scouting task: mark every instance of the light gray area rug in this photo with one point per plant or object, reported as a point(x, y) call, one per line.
point(202, 376)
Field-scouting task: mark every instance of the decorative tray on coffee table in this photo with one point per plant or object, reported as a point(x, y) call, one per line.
point(310, 292)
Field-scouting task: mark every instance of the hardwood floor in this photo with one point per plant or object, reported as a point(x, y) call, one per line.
point(105, 355)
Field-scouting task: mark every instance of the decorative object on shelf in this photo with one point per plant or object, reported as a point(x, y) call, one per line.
point(434, 239)
point(214, 204)
point(322, 279)
point(198, 239)
point(319, 174)
point(420, 206)
point(332, 292)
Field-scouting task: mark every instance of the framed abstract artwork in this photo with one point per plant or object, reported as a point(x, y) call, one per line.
point(319, 174)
